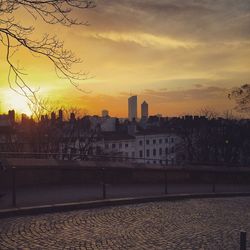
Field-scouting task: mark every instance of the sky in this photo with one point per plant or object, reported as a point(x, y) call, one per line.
point(179, 56)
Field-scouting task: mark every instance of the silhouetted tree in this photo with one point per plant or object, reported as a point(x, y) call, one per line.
point(241, 96)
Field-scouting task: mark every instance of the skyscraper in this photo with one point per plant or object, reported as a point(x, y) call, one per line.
point(132, 107)
point(144, 110)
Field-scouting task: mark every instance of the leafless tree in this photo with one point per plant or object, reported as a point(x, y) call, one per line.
point(208, 112)
point(39, 107)
point(14, 35)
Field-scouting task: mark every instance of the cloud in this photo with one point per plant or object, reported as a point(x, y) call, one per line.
point(210, 20)
point(144, 40)
point(194, 94)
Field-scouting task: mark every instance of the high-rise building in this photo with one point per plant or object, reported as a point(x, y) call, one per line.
point(144, 110)
point(105, 113)
point(132, 108)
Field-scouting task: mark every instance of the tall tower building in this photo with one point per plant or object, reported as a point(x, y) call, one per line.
point(132, 107)
point(144, 110)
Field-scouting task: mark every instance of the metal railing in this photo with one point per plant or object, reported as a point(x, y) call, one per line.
point(105, 171)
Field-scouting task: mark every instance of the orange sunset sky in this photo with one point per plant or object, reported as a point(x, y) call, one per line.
point(179, 56)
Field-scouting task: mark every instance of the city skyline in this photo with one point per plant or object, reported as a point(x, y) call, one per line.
point(181, 57)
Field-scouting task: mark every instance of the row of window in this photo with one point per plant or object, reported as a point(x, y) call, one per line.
point(113, 145)
point(162, 162)
point(167, 151)
point(160, 141)
point(153, 141)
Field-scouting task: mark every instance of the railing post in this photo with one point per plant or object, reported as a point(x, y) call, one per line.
point(214, 181)
point(13, 170)
point(166, 181)
point(103, 184)
point(243, 240)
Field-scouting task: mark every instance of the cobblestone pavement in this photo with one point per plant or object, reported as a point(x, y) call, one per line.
point(188, 224)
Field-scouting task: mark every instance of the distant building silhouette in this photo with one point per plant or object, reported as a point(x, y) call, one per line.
point(53, 116)
point(132, 108)
point(12, 116)
point(72, 117)
point(105, 113)
point(60, 114)
point(24, 118)
point(108, 124)
point(144, 110)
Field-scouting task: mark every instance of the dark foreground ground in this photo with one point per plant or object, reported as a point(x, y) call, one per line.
point(188, 224)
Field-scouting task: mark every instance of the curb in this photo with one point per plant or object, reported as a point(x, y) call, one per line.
point(64, 207)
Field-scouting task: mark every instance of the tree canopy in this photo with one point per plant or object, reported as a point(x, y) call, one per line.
point(241, 95)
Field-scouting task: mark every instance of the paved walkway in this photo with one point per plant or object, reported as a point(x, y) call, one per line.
point(190, 224)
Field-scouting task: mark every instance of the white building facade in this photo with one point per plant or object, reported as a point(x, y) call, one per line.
point(157, 148)
point(160, 149)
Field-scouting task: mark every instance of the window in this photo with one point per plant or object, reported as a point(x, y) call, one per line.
point(160, 151)
point(160, 141)
point(154, 141)
point(154, 152)
point(172, 150)
point(147, 142)
point(141, 154)
point(166, 150)
point(113, 145)
point(166, 140)
point(140, 142)
point(172, 140)
point(148, 152)
point(120, 145)
point(126, 145)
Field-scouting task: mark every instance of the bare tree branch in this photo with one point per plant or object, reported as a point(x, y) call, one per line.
point(14, 35)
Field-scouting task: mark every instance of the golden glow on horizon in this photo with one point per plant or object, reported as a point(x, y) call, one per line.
point(12, 100)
